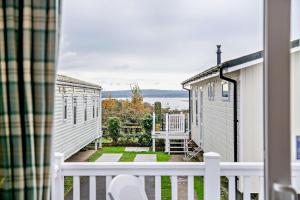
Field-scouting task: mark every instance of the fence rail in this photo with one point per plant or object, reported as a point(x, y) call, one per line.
point(211, 169)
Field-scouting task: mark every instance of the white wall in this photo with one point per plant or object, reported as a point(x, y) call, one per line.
point(295, 107)
point(251, 112)
point(217, 119)
point(70, 138)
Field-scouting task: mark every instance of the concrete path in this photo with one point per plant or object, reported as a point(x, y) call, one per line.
point(109, 157)
point(137, 149)
point(81, 156)
point(149, 180)
point(145, 158)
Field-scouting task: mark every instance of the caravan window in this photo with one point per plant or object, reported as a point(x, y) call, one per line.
point(65, 108)
point(97, 109)
point(85, 108)
point(225, 90)
point(211, 91)
point(74, 110)
point(93, 108)
point(196, 105)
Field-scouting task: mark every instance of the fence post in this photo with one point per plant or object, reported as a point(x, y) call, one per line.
point(58, 179)
point(212, 176)
point(153, 123)
point(167, 122)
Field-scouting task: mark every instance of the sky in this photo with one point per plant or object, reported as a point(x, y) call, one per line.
point(156, 44)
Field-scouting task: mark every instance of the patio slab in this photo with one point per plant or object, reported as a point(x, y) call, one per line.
point(110, 157)
point(137, 149)
point(145, 158)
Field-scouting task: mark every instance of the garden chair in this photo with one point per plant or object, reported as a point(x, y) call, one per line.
point(126, 187)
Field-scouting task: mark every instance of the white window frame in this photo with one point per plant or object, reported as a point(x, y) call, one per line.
point(75, 105)
point(65, 108)
point(94, 107)
point(225, 98)
point(197, 105)
point(85, 109)
point(211, 91)
point(97, 108)
point(192, 105)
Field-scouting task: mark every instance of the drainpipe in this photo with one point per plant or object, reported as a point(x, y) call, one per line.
point(235, 120)
point(190, 115)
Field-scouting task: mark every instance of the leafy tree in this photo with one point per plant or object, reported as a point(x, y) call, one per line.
point(157, 110)
point(114, 128)
point(147, 123)
point(134, 109)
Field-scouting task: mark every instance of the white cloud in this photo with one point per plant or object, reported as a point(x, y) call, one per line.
point(155, 43)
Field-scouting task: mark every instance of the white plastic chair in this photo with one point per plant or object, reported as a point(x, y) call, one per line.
point(126, 187)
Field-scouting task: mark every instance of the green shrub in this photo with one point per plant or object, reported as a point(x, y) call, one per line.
point(145, 140)
point(147, 123)
point(138, 139)
point(114, 128)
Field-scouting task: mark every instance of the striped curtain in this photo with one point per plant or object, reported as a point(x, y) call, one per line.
point(28, 49)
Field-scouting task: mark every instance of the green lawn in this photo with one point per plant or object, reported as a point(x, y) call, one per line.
point(129, 157)
point(198, 185)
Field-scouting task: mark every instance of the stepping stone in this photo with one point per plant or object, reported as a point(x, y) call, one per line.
point(110, 157)
point(137, 149)
point(145, 158)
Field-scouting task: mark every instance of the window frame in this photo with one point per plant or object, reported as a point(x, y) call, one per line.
point(97, 108)
point(196, 105)
point(75, 105)
point(65, 108)
point(85, 112)
point(225, 98)
point(94, 106)
point(211, 91)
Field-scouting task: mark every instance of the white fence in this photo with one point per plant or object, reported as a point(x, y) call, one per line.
point(174, 123)
point(212, 171)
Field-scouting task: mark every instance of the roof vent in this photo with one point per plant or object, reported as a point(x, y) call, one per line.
point(219, 52)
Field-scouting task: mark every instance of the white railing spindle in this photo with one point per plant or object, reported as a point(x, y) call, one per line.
point(142, 180)
point(231, 188)
point(261, 188)
point(108, 180)
point(76, 188)
point(92, 188)
point(246, 187)
point(174, 187)
point(157, 187)
point(190, 187)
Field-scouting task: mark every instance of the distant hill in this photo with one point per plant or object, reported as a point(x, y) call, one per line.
point(147, 93)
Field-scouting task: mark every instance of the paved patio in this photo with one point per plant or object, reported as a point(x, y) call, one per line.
point(145, 158)
point(109, 157)
point(137, 149)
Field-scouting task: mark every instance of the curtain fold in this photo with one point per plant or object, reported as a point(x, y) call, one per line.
point(28, 49)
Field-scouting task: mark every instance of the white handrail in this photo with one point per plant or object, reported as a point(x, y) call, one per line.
point(212, 170)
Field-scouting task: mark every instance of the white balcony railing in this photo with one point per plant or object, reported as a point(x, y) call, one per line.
point(211, 169)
